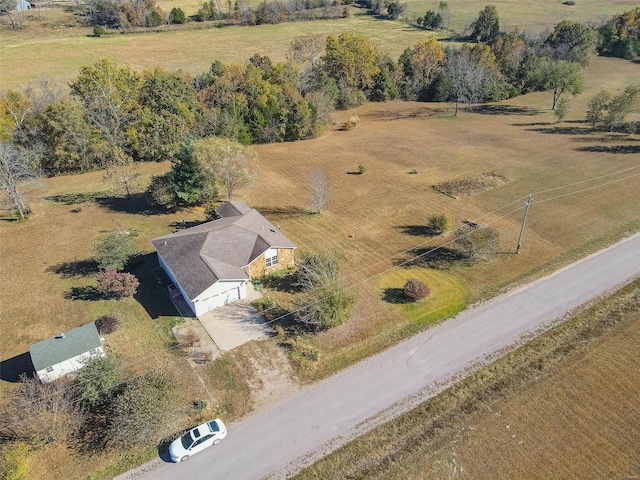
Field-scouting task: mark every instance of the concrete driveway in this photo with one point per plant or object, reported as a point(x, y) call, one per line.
point(236, 323)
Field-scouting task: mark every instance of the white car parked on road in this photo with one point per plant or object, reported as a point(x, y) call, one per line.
point(197, 439)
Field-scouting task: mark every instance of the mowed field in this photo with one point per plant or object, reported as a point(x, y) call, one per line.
point(371, 217)
point(26, 55)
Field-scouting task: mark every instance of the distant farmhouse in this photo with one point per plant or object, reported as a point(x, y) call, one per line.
point(65, 353)
point(212, 263)
point(22, 5)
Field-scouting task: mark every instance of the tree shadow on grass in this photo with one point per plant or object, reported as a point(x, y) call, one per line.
point(75, 198)
point(78, 268)
point(12, 368)
point(531, 124)
point(184, 224)
point(503, 110)
point(283, 283)
point(389, 116)
point(438, 258)
point(418, 230)
point(136, 203)
point(283, 212)
point(622, 149)
point(395, 296)
point(560, 130)
point(84, 293)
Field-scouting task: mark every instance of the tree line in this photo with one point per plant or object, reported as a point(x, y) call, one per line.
point(124, 15)
point(114, 116)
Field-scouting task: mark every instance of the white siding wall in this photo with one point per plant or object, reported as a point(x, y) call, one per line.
point(68, 366)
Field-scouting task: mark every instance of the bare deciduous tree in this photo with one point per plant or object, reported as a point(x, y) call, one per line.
point(43, 413)
point(231, 163)
point(24, 109)
point(16, 176)
point(319, 190)
point(468, 77)
point(122, 172)
point(16, 17)
point(306, 50)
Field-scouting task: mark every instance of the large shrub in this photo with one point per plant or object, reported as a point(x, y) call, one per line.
point(114, 250)
point(107, 324)
point(438, 223)
point(100, 381)
point(113, 284)
point(140, 412)
point(473, 241)
point(177, 15)
point(416, 289)
point(325, 302)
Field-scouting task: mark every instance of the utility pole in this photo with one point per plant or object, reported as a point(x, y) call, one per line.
point(527, 204)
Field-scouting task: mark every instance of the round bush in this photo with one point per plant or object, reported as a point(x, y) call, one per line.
point(107, 324)
point(416, 289)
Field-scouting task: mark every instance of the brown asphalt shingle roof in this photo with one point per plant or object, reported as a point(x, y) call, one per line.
point(200, 256)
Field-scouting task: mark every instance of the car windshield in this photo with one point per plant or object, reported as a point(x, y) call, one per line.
point(186, 440)
point(214, 426)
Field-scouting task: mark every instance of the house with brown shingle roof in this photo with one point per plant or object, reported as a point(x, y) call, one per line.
point(212, 263)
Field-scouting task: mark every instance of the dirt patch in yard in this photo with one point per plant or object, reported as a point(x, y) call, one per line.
point(275, 380)
point(195, 342)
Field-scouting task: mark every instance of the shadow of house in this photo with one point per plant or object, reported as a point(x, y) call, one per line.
point(184, 224)
point(284, 283)
point(12, 368)
point(152, 291)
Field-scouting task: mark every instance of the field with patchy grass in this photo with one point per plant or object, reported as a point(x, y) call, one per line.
point(565, 405)
point(25, 55)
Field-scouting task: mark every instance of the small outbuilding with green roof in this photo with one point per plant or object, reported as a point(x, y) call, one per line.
point(65, 353)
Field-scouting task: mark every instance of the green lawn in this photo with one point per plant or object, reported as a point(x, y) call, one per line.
point(448, 294)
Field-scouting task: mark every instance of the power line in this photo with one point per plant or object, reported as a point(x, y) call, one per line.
point(401, 264)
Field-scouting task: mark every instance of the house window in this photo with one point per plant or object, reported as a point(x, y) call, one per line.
point(272, 260)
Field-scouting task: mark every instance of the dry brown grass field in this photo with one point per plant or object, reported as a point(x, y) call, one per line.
point(564, 406)
point(585, 197)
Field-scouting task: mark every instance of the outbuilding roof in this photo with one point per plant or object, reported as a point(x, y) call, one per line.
point(64, 346)
point(218, 250)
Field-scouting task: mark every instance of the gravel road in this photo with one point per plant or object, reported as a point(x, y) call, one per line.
point(278, 442)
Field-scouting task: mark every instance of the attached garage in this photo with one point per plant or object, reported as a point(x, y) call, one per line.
point(211, 263)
